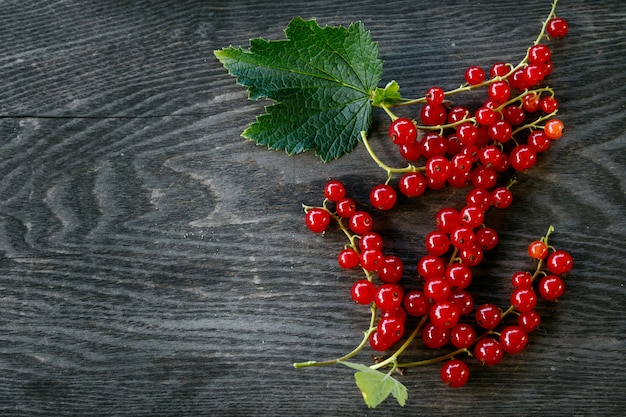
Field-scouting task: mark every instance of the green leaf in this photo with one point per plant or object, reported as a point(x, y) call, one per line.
point(376, 386)
point(388, 95)
point(321, 79)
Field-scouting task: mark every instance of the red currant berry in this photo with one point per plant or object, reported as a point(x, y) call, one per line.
point(499, 91)
point(471, 255)
point(435, 95)
point(491, 156)
point(557, 27)
point(537, 249)
point(437, 168)
point(402, 131)
point(462, 336)
point(551, 287)
point(433, 145)
point(501, 197)
point(474, 75)
point(479, 197)
point(411, 151)
point(471, 151)
point(453, 144)
point(430, 266)
point(518, 80)
point(412, 184)
point(391, 269)
point(504, 165)
point(487, 238)
point(500, 131)
point(390, 329)
point(345, 207)
point(530, 102)
point(467, 133)
point(399, 313)
point(448, 219)
point(523, 299)
point(513, 339)
point(483, 177)
point(371, 259)
point(488, 351)
point(459, 179)
point(533, 74)
point(522, 279)
point(559, 262)
point(529, 321)
point(457, 113)
point(360, 222)
point(485, 116)
point(378, 343)
point(461, 164)
point(462, 237)
point(455, 373)
point(488, 316)
point(383, 197)
point(548, 104)
point(538, 141)
point(538, 54)
point(463, 300)
point(371, 240)
point(458, 275)
point(514, 114)
point(317, 219)
point(499, 69)
point(437, 289)
point(547, 68)
point(433, 114)
point(348, 258)
point(522, 157)
point(388, 296)
point(416, 303)
point(435, 337)
point(554, 129)
point(437, 243)
point(444, 314)
point(471, 216)
point(363, 291)
point(334, 190)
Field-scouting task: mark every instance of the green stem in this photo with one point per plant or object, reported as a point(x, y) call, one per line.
point(535, 123)
point(467, 87)
point(349, 355)
point(434, 360)
point(387, 168)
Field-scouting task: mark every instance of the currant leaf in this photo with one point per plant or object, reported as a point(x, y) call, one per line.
point(376, 386)
point(321, 79)
point(388, 95)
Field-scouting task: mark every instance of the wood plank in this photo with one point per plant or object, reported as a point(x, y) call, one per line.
point(153, 262)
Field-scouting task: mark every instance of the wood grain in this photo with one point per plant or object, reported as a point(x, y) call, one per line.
point(153, 262)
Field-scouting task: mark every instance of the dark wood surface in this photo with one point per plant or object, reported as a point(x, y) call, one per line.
point(153, 262)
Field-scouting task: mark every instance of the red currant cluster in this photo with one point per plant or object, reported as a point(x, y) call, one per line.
point(446, 308)
point(481, 150)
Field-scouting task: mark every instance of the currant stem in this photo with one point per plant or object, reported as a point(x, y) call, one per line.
point(535, 123)
point(434, 360)
point(349, 355)
point(467, 87)
point(387, 168)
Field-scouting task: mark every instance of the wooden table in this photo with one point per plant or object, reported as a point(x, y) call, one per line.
point(153, 262)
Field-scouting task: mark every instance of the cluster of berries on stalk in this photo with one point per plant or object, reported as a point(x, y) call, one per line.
point(480, 150)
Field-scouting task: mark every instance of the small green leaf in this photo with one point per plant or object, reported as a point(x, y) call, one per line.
point(388, 95)
point(376, 386)
point(321, 79)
